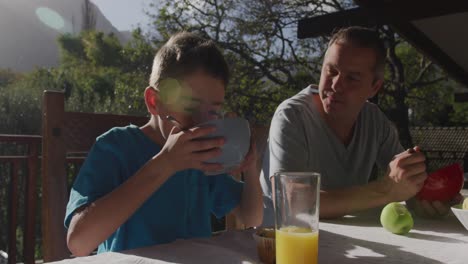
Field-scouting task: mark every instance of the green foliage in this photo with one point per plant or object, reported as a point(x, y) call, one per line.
point(7, 77)
point(110, 77)
point(423, 84)
point(71, 49)
point(96, 72)
point(267, 61)
point(21, 102)
point(460, 114)
point(138, 55)
point(424, 90)
point(102, 50)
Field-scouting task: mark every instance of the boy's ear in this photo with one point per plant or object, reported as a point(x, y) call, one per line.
point(152, 100)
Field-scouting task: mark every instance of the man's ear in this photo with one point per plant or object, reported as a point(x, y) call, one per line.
point(376, 87)
point(152, 100)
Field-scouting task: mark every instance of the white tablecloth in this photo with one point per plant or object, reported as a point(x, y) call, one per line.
point(234, 247)
point(362, 239)
point(352, 239)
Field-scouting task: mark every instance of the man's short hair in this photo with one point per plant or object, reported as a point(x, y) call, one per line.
point(365, 38)
point(186, 53)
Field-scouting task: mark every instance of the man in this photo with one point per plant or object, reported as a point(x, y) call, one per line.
point(335, 131)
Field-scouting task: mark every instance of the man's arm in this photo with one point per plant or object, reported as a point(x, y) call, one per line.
point(405, 177)
point(339, 202)
point(390, 145)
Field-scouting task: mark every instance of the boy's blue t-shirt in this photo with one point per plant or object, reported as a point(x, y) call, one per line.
point(181, 208)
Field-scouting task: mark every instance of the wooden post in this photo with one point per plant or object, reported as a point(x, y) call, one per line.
point(54, 180)
point(13, 221)
point(29, 239)
point(465, 162)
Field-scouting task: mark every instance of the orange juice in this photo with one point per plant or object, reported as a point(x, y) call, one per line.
point(296, 245)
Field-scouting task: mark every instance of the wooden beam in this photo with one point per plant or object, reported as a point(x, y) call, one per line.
point(461, 97)
point(375, 13)
point(404, 10)
point(13, 211)
point(398, 14)
point(326, 24)
point(408, 11)
point(29, 236)
point(426, 46)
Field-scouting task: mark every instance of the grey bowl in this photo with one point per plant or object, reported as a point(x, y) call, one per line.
point(236, 132)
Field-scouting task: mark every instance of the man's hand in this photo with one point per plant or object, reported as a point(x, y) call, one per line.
point(435, 209)
point(406, 175)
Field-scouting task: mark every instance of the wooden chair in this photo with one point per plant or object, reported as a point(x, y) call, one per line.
point(69, 133)
point(64, 133)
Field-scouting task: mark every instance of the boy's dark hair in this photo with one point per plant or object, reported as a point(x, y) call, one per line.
point(185, 53)
point(365, 38)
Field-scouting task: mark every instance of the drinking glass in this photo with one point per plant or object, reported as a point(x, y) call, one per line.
point(297, 204)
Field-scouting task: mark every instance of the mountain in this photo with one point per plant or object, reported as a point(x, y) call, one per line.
point(29, 29)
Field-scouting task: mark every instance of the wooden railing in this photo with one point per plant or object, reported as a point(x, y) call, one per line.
point(25, 157)
point(29, 162)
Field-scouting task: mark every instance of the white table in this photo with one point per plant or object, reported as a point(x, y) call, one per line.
point(231, 247)
point(352, 239)
point(362, 239)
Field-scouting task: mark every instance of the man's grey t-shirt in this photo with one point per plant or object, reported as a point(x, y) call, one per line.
point(300, 140)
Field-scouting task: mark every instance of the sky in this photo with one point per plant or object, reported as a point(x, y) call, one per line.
point(125, 14)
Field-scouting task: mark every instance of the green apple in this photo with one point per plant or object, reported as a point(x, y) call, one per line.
point(396, 218)
point(465, 204)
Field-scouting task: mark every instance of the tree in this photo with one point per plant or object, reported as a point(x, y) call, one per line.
point(96, 72)
point(412, 83)
point(7, 77)
point(269, 63)
point(20, 102)
point(100, 75)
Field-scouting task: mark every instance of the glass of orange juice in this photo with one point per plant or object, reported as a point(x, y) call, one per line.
point(297, 204)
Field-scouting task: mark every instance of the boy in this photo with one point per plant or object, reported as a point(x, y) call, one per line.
point(145, 186)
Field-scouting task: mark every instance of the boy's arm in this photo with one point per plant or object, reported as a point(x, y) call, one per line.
point(94, 223)
point(250, 208)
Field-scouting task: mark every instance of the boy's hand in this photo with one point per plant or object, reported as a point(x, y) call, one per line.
point(250, 161)
point(185, 150)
